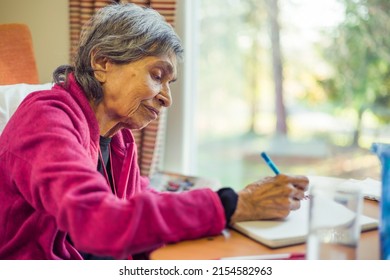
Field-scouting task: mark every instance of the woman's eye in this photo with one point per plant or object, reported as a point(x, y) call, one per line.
point(157, 76)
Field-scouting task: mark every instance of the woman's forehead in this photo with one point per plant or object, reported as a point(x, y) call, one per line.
point(167, 62)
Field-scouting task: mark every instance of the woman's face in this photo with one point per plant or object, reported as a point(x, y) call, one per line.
point(134, 93)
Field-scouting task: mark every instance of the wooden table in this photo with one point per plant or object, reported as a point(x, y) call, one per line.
point(240, 245)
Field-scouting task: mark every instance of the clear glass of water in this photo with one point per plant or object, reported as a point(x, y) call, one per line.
point(334, 228)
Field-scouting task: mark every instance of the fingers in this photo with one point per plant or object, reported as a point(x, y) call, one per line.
point(295, 204)
point(298, 181)
point(285, 190)
point(286, 196)
point(295, 198)
point(286, 203)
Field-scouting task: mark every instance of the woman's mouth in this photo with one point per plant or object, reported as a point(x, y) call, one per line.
point(154, 111)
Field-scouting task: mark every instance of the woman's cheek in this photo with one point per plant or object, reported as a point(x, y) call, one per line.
point(152, 89)
point(132, 108)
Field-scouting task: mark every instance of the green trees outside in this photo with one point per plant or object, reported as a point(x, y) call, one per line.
point(232, 34)
point(242, 46)
point(272, 8)
point(257, 17)
point(315, 72)
point(221, 77)
point(360, 57)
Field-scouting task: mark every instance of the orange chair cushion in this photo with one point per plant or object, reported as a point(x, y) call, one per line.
point(17, 61)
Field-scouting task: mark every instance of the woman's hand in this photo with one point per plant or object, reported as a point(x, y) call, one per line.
point(270, 198)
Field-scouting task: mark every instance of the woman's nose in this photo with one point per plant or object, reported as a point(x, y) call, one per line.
point(165, 96)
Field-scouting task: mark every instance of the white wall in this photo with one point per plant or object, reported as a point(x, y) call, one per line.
point(48, 22)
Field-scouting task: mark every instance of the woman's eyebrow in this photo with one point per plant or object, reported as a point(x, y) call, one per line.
point(166, 65)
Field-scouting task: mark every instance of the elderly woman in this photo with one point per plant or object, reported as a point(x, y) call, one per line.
point(70, 186)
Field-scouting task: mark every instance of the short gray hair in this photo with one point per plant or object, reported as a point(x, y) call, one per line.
point(122, 33)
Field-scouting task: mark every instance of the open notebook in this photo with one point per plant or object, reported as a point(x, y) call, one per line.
point(293, 229)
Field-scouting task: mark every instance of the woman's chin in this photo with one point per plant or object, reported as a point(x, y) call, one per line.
point(137, 126)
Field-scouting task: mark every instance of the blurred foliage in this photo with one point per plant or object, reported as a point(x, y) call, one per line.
point(359, 54)
point(347, 68)
point(335, 64)
point(225, 46)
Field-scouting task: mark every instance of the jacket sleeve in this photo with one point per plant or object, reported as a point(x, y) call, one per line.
point(53, 170)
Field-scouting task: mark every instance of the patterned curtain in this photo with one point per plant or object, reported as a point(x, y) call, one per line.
point(149, 140)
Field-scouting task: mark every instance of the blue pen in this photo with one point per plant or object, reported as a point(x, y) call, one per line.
point(270, 163)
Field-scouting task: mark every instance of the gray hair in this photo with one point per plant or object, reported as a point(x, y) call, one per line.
point(122, 33)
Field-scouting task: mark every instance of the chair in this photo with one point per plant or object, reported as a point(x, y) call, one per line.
point(17, 60)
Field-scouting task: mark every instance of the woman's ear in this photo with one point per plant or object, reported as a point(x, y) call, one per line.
point(99, 66)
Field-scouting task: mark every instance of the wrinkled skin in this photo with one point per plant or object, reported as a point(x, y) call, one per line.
point(270, 198)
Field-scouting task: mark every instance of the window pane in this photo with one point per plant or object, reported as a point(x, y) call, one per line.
point(236, 113)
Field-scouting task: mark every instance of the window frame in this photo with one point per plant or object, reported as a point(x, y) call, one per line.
point(180, 139)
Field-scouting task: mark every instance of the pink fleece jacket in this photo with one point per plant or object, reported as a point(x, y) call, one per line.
point(50, 186)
